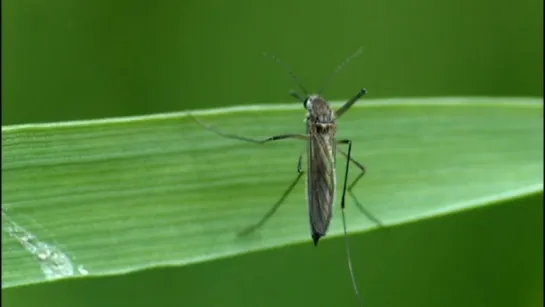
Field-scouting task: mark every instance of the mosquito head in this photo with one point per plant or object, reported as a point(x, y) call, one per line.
point(319, 111)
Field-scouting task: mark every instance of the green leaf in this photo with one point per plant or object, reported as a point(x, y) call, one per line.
point(117, 195)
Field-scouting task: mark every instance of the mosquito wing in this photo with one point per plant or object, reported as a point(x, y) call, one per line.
point(320, 178)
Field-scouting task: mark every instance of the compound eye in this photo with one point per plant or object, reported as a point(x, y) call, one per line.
point(307, 103)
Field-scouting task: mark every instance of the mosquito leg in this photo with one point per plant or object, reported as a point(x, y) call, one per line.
point(241, 138)
point(275, 207)
point(270, 139)
point(353, 184)
point(349, 142)
point(347, 245)
point(349, 103)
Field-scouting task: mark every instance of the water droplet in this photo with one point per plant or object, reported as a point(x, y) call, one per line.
point(53, 262)
point(82, 270)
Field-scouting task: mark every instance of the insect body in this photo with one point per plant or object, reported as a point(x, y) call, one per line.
point(321, 158)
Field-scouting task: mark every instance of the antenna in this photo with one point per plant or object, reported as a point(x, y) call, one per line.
point(348, 59)
point(289, 70)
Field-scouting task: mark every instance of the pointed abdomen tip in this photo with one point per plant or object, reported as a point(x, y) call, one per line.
point(315, 238)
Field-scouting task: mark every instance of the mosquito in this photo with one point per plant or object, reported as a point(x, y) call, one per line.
point(321, 161)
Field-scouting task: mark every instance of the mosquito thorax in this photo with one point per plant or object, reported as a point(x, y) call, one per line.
point(319, 111)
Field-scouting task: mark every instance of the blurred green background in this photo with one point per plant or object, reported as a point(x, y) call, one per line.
point(67, 60)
